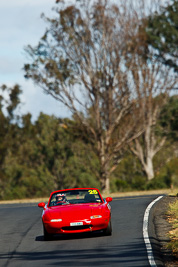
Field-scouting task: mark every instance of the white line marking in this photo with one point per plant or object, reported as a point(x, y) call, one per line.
point(145, 233)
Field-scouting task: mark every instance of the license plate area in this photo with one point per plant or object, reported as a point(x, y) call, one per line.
point(76, 223)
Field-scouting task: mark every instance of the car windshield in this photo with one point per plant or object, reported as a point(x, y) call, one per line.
point(75, 197)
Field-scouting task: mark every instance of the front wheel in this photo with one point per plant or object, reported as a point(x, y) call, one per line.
point(47, 236)
point(108, 230)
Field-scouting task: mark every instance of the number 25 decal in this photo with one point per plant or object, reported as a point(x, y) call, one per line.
point(93, 192)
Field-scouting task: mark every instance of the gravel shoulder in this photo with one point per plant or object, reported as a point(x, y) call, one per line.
point(161, 228)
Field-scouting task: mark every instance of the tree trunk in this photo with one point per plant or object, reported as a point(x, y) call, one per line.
point(145, 156)
point(149, 169)
point(105, 182)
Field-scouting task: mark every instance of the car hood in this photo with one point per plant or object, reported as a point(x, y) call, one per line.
point(76, 211)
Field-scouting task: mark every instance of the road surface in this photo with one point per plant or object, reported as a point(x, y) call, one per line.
point(22, 243)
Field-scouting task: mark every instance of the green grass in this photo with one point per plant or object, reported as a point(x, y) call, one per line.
point(173, 220)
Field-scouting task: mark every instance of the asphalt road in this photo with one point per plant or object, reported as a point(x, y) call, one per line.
point(22, 244)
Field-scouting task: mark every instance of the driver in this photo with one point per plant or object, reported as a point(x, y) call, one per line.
point(60, 198)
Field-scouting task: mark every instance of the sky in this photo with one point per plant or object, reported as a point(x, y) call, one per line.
point(21, 25)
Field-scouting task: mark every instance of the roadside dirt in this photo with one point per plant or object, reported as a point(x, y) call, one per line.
point(162, 228)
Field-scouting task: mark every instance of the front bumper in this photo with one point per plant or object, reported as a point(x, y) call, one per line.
point(64, 227)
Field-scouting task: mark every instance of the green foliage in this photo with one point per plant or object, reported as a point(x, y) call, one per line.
point(128, 175)
point(42, 157)
point(49, 154)
point(169, 118)
point(139, 182)
point(118, 185)
point(160, 182)
point(167, 176)
point(162, 34)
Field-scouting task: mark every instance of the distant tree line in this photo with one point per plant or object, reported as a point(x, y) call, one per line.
point(114, 65)
point(50, 153)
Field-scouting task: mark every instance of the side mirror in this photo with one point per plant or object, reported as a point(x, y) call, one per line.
point(41, 205)
point(108, 199)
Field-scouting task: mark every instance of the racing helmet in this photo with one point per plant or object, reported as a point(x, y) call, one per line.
point(60, 195)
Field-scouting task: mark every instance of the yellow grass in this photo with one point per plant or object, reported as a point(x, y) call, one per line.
point(171, 192)
point(173, 220)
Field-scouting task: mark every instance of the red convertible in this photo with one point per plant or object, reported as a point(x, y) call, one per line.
point(77, 210)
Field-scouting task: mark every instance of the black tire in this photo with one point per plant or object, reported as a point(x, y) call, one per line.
point(108, 230)
point(47, 236)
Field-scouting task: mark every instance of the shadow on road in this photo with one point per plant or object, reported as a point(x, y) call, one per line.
point(132, 255)
point(61, 237)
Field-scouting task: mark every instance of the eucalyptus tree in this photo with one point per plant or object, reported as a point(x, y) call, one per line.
point(159, 78)
point(156, 81)
point(89, 58)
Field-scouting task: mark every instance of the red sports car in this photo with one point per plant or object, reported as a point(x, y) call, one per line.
point(77, 210)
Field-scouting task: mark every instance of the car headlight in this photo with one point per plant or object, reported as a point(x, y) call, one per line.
point(95, 217)
point(56, 220)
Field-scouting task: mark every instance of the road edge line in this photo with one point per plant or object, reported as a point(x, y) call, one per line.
point(145, 233)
